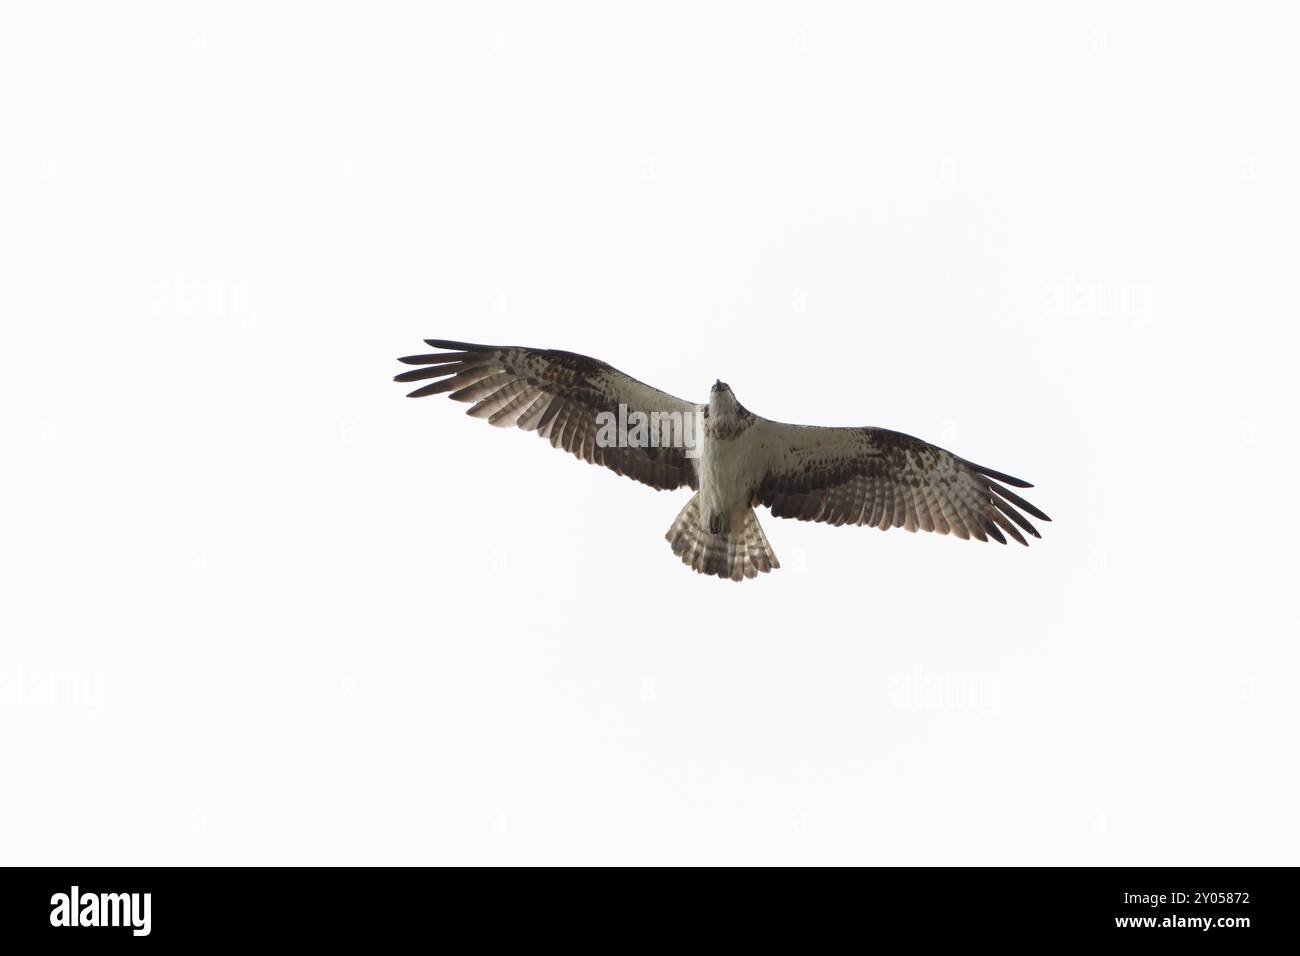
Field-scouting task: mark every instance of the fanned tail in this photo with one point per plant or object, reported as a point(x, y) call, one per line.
point(737, 554)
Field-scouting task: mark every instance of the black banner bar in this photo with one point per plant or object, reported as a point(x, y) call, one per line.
point(135, 907)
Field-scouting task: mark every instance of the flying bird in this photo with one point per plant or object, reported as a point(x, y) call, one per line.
point(731, 458)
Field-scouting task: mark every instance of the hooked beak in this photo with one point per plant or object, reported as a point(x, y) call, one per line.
point(718, 386)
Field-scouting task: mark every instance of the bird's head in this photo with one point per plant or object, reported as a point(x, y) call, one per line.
point(722, 402)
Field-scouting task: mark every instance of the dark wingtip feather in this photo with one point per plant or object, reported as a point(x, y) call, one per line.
point(433, 358)
point(994, 533)
point(999, 476)
point(457, 346)
point(429, 371)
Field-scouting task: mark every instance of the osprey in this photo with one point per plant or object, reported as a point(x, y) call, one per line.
point(733, 459)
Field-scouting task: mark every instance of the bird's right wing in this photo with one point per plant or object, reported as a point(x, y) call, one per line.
point(559, 395)
point(886, 479)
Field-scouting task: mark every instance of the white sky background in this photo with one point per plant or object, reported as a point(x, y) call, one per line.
point(259, 607)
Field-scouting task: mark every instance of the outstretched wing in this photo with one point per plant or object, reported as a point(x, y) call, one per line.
point(558, 395)
point(886, 479)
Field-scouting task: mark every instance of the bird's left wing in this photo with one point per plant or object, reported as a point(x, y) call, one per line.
point(558, 395)
point(877, 477)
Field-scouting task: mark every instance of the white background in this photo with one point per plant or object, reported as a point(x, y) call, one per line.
point(259, 607)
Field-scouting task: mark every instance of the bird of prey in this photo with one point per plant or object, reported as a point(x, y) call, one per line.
point(733, 459)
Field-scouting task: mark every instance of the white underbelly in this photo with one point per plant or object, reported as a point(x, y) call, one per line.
point(726, 481)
